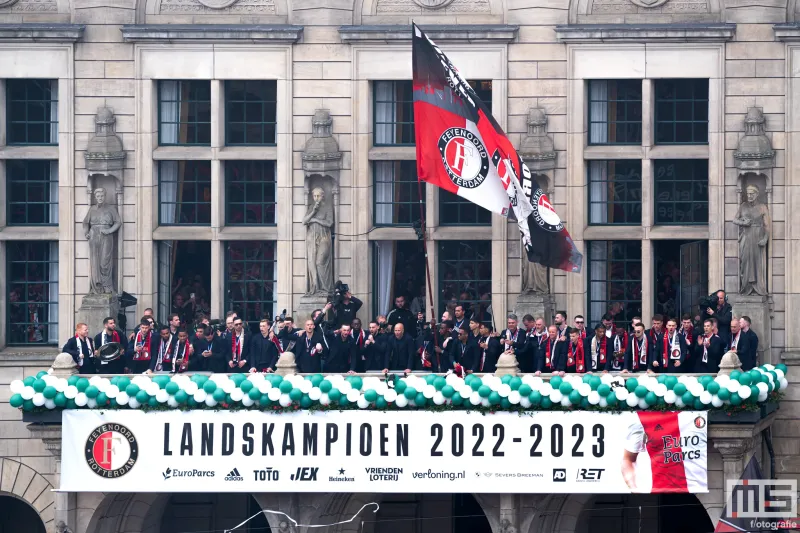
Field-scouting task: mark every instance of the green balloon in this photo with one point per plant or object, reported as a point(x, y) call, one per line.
point(357, 382)
point(754, 392)
point(191, 402)
point(565, 388)
point(60, 400)
point(181, 396)
point(476, 384)
point(484, 391)
point(305, 401)
point(756, 376)
point(218, 395)
point(285, 387)
point(782, 367)
point(440, 383)
point(410, 393)
point(238, 378)
point(132, 390)
point(380, 403)
point(122, 383)
point(92, 391)
point(504, 403)
point(661, 378)
point(556, 381)
point(16, 400)
point(162, 381)
point(316, 379)
point(456, 399)
point(712, 387)
point(698, 405)
point(724, 394)
point(704, 380)
point(679, 389)
point(670, 382)
point(688, 398)
point(371, 396)
point(295, 394)
point(651, 398)
point(429, 379)
point(325, 386)
point(264, 401)
point(275, 379)
point(420, 400)
point(744, 379)
point(611, 400)
point(70, 404)
point(72, 380)
point(172, 388)
point(585, 378)
point(603, 389)
point(469, 378)
point(255, 394)
point(735, 374)
point(515, 383)
point(584, 403)
point(152, 402)
point(142, 396)
point(247, 385)
point(41, 373)
point(209, 386)
point(535, 397)
point(49, 392)
point(102, 399)
point(546, 402)
point(575, 397)
point(494, 398)
point(39, 385)
point(631, 384)
point(448, 391)
point(334, 394)
point(400, 386)
point(29, 381)
point(640, 391)
point(595, 382)
point(27, 405)
point(736, 399)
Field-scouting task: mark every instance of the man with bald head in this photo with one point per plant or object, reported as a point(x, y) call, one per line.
point(400, 349)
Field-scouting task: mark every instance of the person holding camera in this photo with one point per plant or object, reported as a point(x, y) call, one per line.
point(345, 305)
point(716, 306)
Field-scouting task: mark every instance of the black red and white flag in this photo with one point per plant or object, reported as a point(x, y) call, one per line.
point(462, 149)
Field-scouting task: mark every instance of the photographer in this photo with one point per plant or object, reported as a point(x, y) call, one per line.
point(286, 331)
point(345, 306)
point(716, 306)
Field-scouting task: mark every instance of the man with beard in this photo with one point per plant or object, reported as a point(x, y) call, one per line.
point(81, 347)
point(400, 349)
point(425, 356)
point(401, 315)
point(560, 321)
point(359, 337)
point(141, 349)
point(532, 357)
point(599, 348)
point(162, 362)
point(723, 312)
point(637, 353)
point(489, 350)
point(461, 321)
point(263, 352)
point(577, 354)
point(209, 353)
point(148, 313)
point(656, 333)
point(512, 337)
point(467, 351)
point(110, 333)
point(670, 352)
point(750, 358)
point(580, 325)
point(342, 351)
point(374, 350)
point(709, 350)
point(310, 349)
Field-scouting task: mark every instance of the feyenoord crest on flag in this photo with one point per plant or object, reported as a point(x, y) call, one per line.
point(462, 149)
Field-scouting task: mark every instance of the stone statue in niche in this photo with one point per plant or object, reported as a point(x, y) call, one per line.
point(102, 222)
point(754, 226)
point(319, 246)
point(535, 278)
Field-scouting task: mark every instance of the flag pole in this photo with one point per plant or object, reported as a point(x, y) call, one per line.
point(422, 235)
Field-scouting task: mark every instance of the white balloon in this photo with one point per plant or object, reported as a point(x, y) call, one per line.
point(94, 380)
point(660, 390)
point(705, 397)
point(314, 394)
point(362, 402)
point(670, 397)
point(284, 400)
point(50, 404)
point(762, 396)
point(716, 402)
point(545, 389)
point(525, 402)
point(210, 401)
point(784, 383)
point(305, 386)
point(514, 397)
point(200, 396)
point(122, 398)
point(91, 403)
point(50, 380)
point(38, 399)
point(274, 394)
point(429, 391)
point(603, 402)
point(565, 401)
point(102, 385)
point(744, 393)
point(438, 398)
point(642, 404)
point(229, 386)
point(780, 373)
point(16, 386)
point(607, 379)
point(112, 391)
point(237, 395)
point(584, 389)
point(345, 387)
point(485, 402)
point(401, 401)
point(556, 396)
point(504, 390)
point(353, 395)
point(152, 389)
point(324, 399)
point(475, 398)
point(733, 386)
point(390, 395)
point(264, 387)
point(173, 403)
point(133, 403)
point(247, 401)
point(679, 402)
point(81, 400)
point(162, 396)
point(632, 400)
point(191, 388)
point(593, 397)
point(28, 392)
point(621, 393)
point(762, 387)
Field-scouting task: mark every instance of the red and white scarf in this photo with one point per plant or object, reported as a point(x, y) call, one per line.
point(237, 342)
point(359, 338)
point(104, 337)
point(144, 353)
point(669, 344)
point(639, 352)
point(80, 349)
point(576, 357)
point(599, 353)
point(181, 352)
point(706, 344)
point(164, 354)
point(735, 341)
point(687, 334)
point(548, 351)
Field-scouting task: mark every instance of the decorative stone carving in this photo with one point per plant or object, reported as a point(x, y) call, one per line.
point(319, 245)
point(754, 152)
point(29, 6)
point(433, 4)
point(64, 366)
point(687, 8)
point(425, 6)
point(754, 232)
point(101, 223)
point(260, 7)
point(507, 365)
point(648, 3)
point(729, 362)
point(7, 3)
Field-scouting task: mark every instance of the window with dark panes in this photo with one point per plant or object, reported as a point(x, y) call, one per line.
point(250, 112)
point(31, 191)
point(250, 280)
point(399, 270)
point(397, 193)
point(184, 192)
point(615, 280)
point(453, 209)
point(465, 277)
point(184, 112)
point(32, 112)
point(32, 285)
point(615, 192)
point(681, 191)
point(393, 113)
point(615, 112)
point(681, 111)
point(184, 279)
point(250, 192)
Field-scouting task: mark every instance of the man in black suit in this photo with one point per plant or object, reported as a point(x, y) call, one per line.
point(637, 353)
point(310, 349)
point(82, 349)
point(209, 353)
point(689, 334)
point(400, 349)
point(287, 333)
point(111, 333)
point(740, 343)
point(374, 350)
point(263, 352)
point(560, 320)
point(237, 355)
point(512, 336)
point(424, 353)
point(748, 357)
point(579, 357)
point(488, 350)
point(446, 339)
point(143, 347)
point(670, 352)
point(534, 350)
point(342, 351)
point(655, 335)
point(467, 352)
point(709, 350)
point(723, 312)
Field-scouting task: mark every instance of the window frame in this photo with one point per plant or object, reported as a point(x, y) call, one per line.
point(263, 103)
point(10, 103)
point(160, 122)
point(161, 203)
point(610, 278)
point(412, 204)
point(260, 283)
point(46, 304)
point(675, 101)
point(608, 123)
point(48, 184)
point(441, 264)
point(461, 203)
point(675, 202)
point(404, 123)
point(229, 204)
point(590, 203)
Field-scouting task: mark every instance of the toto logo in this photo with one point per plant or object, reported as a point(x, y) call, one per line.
point(111, 450)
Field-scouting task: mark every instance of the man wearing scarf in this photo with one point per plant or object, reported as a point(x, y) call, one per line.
point(238, 355)
point(359, 337)
point(425, 356)
point(512, 337)
point(263, 349)
point(689, 334)
point(177, 357)
point(580, 325)
point(599, 349)
point(533, 356)
point(671, 351)
point(163, 359)
point(616, 347)
point(489, 350)
point(577, 353)
point(110, 333)
point(81, 348)
point(637, 353)
point(561, 324)
point(140, 351)
point(310, 349)
point(655, 334)
point(342, 352)
point(708, 350)
point(555, 353)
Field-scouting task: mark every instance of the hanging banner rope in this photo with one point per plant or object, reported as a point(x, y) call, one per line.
point(295, 524)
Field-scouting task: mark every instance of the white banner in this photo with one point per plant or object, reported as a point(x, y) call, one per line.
point(387, 452)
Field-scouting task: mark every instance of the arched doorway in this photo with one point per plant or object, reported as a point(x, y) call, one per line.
point(211, 512)
point(654, 513)
point(16, 516)
point(430, 513)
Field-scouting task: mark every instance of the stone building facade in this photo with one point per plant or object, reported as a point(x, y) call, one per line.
point(645, 122)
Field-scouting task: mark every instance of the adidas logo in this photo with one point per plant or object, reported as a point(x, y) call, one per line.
point(234, 475)
point(659, 428)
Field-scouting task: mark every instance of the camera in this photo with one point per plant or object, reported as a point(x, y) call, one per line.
point(283, 316)
point(707, 301)
point(217, 325)
point(339, 290)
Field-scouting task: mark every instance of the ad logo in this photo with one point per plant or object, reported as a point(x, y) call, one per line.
point(384, 474)
point(340, 477)
point(305, 473)
point(234, 475)
point(268, 474)
point(464, 156)
point(169, 473)
point(590, 474)
point(111, 450)
point(560, 475)
point(762, 498)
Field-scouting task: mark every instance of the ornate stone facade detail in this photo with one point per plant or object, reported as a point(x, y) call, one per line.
point(755, 151)
point(600, 7)
point(28, 6)
point(423, 6)
point(649, 3)
point(261, 7)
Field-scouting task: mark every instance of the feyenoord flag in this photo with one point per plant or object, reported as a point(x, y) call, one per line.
point(462, 149)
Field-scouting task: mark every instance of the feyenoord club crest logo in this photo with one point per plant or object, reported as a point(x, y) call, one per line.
point(700, 422)
point(111, 450)
point(464, 157)
point(544, 214)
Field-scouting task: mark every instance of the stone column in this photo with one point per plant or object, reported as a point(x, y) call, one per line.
point(509, 513)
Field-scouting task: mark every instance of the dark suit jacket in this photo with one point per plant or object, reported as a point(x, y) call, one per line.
point(216, 363)
point(489, 355)
point(262, 352)
point(587, 357)
point(375, 354)
point(87, 347)
point(308, 361)
point(724, 317)
point(400, 352)
point(469, 355)
point(112, 367)
point(533, 353)
point(519, 344)
point(286, 335)
point(342, 354)
point(749, 358)
point(658, 355)
point(424, 343)
point(716, 350)
point(245, 356)
point(630, 353)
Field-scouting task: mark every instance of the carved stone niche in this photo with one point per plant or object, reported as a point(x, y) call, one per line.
point(321, 168)
point(754, 157)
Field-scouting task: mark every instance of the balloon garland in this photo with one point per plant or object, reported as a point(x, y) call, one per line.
point(739, 391)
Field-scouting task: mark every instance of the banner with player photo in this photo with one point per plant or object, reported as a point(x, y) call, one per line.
point(385, 452)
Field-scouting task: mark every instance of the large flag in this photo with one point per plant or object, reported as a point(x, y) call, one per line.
point(462, 149)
